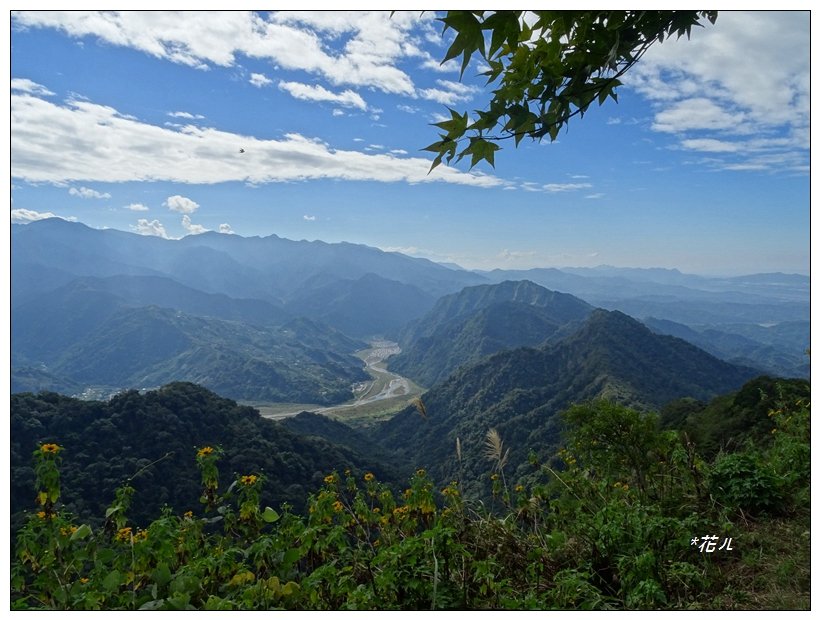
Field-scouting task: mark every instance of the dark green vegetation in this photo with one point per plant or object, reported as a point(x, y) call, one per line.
point(615, 519)
point(108, 442)
point(464, 327)
point(546, 70)
point(520, 392)
point(728, 421)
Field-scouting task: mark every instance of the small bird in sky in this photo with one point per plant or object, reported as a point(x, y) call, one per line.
point(241, 150)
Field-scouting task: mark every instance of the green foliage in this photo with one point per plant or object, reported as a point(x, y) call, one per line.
point(146, 439)
point(727, 422)
point(744, 482)
point(604, 524)
point(546, 67)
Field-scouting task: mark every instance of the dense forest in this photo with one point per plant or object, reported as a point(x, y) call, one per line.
point(628, 513)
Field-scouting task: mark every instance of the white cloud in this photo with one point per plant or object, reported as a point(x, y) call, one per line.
point(408, 108)
point(398, 151)
point(27, 86)
point(510, 255)
point(85, 192)
point(711, 145)
point(434, 64)
point(259, 80)
point(748, 75)
point(308, 92)
point(187, 115)
point(338, 112)
point(153, 228)
point(193, 229)
point(449, 93)
point(180, 204)
point(696, 113)
point(226, 229)
point(309, 218)
point(594, 196)
point(136, 206)
point(374, 42)
point(565, 187)
point(24, 216)
point(94, 143)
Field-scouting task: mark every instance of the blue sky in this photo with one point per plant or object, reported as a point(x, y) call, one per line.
point(135, 121)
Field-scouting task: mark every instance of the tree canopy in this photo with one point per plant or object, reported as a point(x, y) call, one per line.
point(546, 67)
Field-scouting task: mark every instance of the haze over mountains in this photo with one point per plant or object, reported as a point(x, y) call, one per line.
point(274, 319)
point(269, 320)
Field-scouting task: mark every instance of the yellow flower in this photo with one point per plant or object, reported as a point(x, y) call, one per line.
point(188, 515)
point(141, 535)
point(519, 488)
point(124, 534)
point(68, 531)
point(248, 480)
point(420, 473)
point(41, 515)
point(83, 579)
point(338, 506)
point(494, 477)
point(206, 451)
point(368, 477)
point(50, 448)
point(376, 543)
point(330, 479)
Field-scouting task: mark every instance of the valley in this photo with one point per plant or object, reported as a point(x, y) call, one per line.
point(383, 395)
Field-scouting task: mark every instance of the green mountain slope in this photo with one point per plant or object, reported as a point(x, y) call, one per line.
point(464, 327)
point(519, 392)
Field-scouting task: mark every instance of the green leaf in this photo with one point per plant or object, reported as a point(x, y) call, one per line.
point(112, 581)
point(270, 515)
point(110, 511)
point(291, 556)
point(81, 532)
point(162, 574)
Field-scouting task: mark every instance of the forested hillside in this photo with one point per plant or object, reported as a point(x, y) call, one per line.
point(480, 320)
point(520, 392)
point(623, 515)
point(150, 439)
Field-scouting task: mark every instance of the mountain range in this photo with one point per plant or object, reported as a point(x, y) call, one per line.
point(521, 391)
point(109, 309)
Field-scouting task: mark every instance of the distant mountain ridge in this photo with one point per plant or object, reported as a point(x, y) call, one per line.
point(269, 268)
